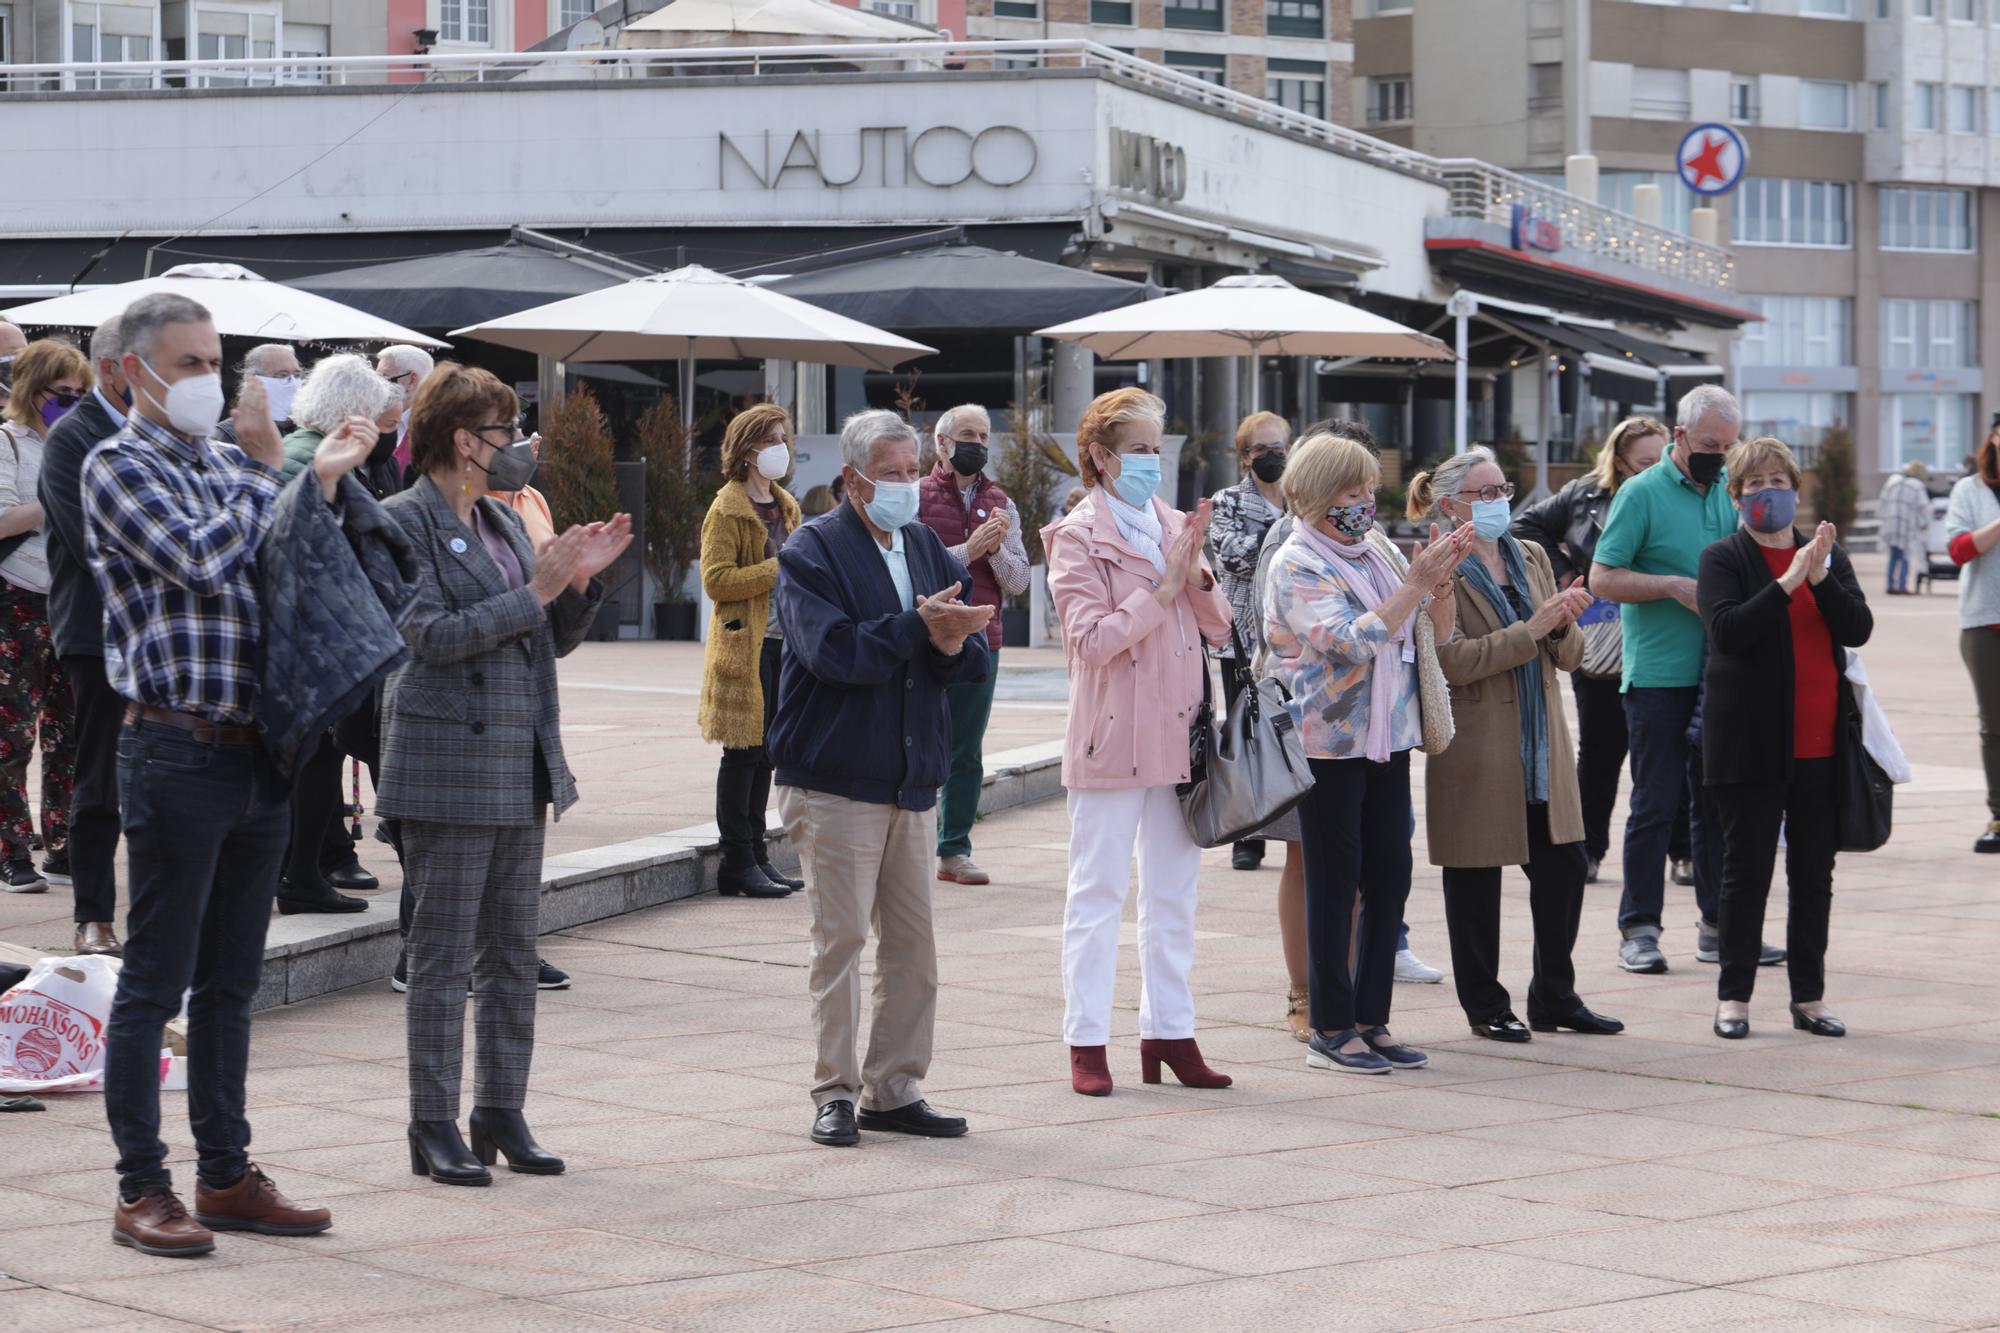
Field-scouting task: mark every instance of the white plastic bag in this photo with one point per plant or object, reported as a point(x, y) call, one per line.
point(1876, 736)
point(52, 1028)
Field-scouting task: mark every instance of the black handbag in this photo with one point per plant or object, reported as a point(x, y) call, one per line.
point(1249, 769)
point(1864, 798)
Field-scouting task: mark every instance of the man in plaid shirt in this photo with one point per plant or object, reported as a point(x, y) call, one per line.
point(172, 525)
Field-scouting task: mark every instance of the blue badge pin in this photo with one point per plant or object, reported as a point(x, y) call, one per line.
point(458, 546)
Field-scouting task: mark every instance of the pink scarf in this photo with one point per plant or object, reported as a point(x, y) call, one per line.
point(1374, 578)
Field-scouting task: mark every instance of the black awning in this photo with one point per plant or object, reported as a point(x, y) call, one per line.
point(467, 287)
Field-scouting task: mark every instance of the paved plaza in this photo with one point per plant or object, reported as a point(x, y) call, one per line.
point(1658, 1180)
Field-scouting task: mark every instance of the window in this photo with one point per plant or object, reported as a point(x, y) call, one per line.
point(1963, 105)
point(574, 11)
point(1295, 18)
point(1004, 9)
point(1931, 428)
point(1392, 6)
point(1198, 15)
point(1826, 9)
point(1207, 68)
point(1660, 94)
point(907, 9)
point(104, 33)
point(1825, 106)
point(1771, 211)
point(1880, 94)
point(1923, 9)
point(308, 44)
point(469, 22)
point(1923, 106)
point(1929, 335)
point(1743, 101)
point(1297, 85)
point(1797, 331)
point(1388, 100)
point(1921, 219)
point(1545, 88)
point(1964, 11)
point(6, 34)
point(1799, 419)
point(1117, 13)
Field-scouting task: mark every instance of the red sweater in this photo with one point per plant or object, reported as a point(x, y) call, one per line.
point(1964, 551)
point(1815, 682)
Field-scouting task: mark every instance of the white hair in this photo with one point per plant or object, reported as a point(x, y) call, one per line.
point(405, 358)
point(340, 387)
point(860, 433)
point(1447, 479)
point(953, 418)
point(253, 360)
point(1705, 400)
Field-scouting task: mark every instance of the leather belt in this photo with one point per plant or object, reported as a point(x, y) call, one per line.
point(200, 728)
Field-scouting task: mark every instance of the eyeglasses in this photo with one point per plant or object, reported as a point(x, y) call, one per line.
point(513, 429)
point(1504, 491)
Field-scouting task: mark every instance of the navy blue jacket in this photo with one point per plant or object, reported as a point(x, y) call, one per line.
point(861, 702)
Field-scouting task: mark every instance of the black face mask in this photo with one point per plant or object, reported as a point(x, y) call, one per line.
point(385, 444)
point(1268, 467)
point(968, 458)
point(1703, 469)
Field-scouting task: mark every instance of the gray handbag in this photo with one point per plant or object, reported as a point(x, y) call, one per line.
point(1248, 770)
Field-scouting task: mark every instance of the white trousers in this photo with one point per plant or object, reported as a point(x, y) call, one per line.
point(1104, 827)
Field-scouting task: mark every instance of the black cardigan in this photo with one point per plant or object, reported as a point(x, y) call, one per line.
point(1746, 733)
point(1566, 526)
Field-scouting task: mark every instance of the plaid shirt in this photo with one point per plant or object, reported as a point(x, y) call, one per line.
point(172, 527)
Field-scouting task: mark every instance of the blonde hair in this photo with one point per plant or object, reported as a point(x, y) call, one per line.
point(37, 367)
point(1605, 470)
point(1323, 466)
point(1446, 479)
point(1106, 413)
point(1246, 433)
point(744, 436)
point(1758, 455)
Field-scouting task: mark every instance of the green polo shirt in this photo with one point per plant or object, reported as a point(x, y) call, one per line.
point(1660, 524)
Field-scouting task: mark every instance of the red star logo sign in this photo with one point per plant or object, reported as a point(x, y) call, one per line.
point(1706, 165)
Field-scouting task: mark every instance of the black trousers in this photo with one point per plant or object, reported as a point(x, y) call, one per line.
point(94, 823)
point(1555, 901)
point(1751, 814)
point(1980, 649)
point(315, 804)
point(1356, 827)
point(1230, 689)
point(1600, 756)
point(743, 780)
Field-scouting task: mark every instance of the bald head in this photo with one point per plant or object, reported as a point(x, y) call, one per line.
point(12, 339)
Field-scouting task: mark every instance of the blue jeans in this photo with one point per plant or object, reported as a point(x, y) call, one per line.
point(1664, 764)
point(205, 832)
point(1899, 568)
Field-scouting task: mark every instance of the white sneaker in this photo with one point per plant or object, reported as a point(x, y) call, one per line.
point(1409, 967)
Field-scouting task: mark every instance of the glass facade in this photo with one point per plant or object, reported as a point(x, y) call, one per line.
point(1773, 211)
point(1797, 331)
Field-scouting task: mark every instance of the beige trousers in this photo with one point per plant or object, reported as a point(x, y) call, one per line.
point(868, 865)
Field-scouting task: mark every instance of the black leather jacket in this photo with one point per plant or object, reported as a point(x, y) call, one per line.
point(1567, 525)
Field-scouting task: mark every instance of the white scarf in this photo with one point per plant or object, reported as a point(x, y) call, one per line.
point(1140, 527)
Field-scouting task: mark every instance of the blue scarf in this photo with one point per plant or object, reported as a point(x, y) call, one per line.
point(1527, 676)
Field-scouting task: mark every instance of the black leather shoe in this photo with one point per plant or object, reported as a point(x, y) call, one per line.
point(496, 1133)
point(1246, 856)
point(834, 1125)
point(437, 1151)
point(916, 1118)
point(777, 876)
point(1578, 1019)
point(1503, 1027)
point(351, 875)
point(1988, 841)
point(294, 899)
point(1829, 1026)
point(1731, 1029)
point(747, 881)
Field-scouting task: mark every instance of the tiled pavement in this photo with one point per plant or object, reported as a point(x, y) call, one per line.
point(1658, 1180)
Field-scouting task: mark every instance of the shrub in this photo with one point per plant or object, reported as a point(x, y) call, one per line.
point(1839, 488)
point(677, 499)
point(576, 476)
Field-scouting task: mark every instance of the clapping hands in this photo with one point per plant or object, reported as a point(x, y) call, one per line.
point(1560, 611)
point(579, 554)
point(951, 621)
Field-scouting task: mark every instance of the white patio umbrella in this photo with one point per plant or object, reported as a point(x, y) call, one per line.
point(1256, 314)
point(689, 313)
point(244, 304)
point(765, 23)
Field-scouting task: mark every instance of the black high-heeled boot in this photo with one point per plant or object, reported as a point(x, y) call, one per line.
point(437, 1151)
point(496, 1132)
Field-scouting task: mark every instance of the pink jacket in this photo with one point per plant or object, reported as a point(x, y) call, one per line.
point(1135, 667)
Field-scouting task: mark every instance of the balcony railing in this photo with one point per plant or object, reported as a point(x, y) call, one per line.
point(1488, 193)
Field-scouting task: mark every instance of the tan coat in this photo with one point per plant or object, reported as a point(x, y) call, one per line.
point(1475, 796)
point(738, 578)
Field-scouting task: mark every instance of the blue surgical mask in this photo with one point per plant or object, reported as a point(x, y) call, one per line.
point(894, 505)
point(1138, 477)
point(1772, 510)
point(1490, 518)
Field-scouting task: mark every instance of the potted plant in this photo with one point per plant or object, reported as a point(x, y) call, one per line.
point(676, 503)
point(576, 475)
point(1839, 490)
point(1029, 467)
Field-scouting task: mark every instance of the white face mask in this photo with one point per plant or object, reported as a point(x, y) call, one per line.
point(193, 404)
point(773, 461)
point(280, 390)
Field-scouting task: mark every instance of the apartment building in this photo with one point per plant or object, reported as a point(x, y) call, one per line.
point(1298, 53)
point(1869, 223)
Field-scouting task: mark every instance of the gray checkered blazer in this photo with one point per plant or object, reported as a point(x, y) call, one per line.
point(462, 720)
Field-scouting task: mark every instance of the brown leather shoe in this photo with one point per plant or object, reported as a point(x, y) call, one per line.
point(98, 937)
point(158, 1223)
point(254, 1204)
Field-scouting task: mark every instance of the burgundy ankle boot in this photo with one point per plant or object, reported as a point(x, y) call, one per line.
point(1183, 1057)
point(1088, 1072)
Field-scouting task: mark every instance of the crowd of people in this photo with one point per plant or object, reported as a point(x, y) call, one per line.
point(204, 620)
